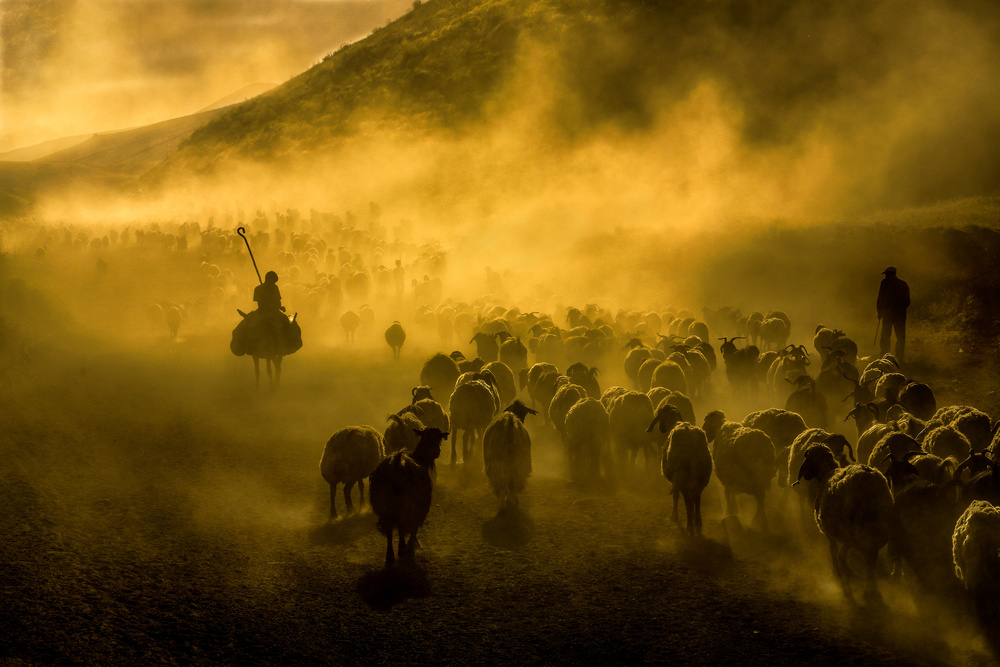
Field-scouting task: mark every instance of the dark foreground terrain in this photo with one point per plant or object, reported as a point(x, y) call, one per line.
point(161, 512)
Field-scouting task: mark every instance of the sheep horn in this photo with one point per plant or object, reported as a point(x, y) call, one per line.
point(912, 453)
point(850, 452)
point(414, 392)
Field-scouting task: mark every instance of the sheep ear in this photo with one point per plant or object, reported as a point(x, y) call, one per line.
point(532, 412)
point(418, 431)
point(414, 392)
point(444, 436)
point(242, 314)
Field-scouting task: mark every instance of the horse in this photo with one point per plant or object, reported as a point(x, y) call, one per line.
point(268, 336)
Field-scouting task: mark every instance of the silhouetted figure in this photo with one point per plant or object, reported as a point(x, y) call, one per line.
point(267, 295)
point(893, 300)
point(269, 316)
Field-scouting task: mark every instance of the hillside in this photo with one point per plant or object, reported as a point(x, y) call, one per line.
point(900, 94)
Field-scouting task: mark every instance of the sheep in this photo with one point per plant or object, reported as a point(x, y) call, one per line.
point(918, 399)
point(854, 512)
point(629, 415)
point(401, 432)
point(504, 378)
point(868, 440)
point(782, 427)
point(808, 402)
point(753, 325)
point(744, 461)
point(530, 380)
point(350, 455)
point(947, 441)
point(565, 398)
point(740, 364)
point(585, 377)
point(588, 429)
point(507, 453)
point(864, 416)
point(774, 333)
point(923, 520)
point(487, 348)
point(896, 443)
point(816, 436)
point(544, 389)
point(666, 417)
point(687, 465)
point(473, 405)
point(610, 394)
point(789, 364)
point(350, 321)
point(682, 403)
point(514, 354)
point(670, 375)
point(976, 553)
point(656, 396)
point(634, 360)
point(395, 336)
point(644, 376)
point(440, 373)
point(400, 492)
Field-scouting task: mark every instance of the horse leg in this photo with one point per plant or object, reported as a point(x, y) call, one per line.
point(277, 372)
point(256, 371)
point(673, 515)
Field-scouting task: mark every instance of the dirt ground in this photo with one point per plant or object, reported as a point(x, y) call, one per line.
point(157, 510)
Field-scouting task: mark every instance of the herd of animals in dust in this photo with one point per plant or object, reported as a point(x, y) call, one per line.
point(913, 480)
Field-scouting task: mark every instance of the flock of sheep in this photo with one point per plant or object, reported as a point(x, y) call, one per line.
point(919, 483)
point(914, 481)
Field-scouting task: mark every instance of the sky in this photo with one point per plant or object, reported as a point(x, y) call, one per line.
point(72, 67)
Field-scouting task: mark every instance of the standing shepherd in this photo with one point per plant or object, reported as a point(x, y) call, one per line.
point(893, 300)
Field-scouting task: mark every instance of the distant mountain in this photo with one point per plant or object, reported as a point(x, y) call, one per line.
point(43, 149)
point(136, 151)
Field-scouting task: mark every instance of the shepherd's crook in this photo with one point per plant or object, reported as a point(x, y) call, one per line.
point(877, 324)
point(242, 232)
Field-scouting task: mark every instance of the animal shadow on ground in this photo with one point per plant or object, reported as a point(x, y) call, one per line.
point(510, 529)
point(705, 555)
point(345, 530)
point(383, 589)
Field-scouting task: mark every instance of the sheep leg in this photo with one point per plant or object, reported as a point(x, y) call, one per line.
point(673, 515)
point(454, 444)
point(402, 545)
point(361, 492)
point(842, 570)
point(872, 595)
point(390, 557)
point(256, 371)
point(760, 516)
point(697, 511)
point(347, 497)
point(692, 507)
point(333, 501)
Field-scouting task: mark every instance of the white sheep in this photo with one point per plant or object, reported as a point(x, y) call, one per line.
point(507, 453)
point(744, 462)
point(473, 405)
point(854, 511)
point(588, 430)
point(976, 552)
point(687, 465)
point(629, 415)
point(350, 455)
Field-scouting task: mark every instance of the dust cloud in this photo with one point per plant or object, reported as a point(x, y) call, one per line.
point(766, 176)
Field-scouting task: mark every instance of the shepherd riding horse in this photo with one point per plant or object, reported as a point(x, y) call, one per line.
point(268, 336)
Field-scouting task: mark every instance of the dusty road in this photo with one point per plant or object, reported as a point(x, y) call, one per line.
point(161, 512)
